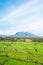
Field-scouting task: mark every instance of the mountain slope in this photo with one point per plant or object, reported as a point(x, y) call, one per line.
point(20, 35)
point(24, 34)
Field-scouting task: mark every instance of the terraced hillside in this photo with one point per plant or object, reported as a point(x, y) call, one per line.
point(21, 53)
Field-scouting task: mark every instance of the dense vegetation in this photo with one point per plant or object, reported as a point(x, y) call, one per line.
point(21, 39)
point(21, 53)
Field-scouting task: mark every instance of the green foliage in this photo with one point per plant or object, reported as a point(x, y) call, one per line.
point(14, 39)
point(21, 53)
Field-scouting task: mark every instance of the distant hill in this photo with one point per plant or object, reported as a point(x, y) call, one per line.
point(24, 34)
point(20, 35)
point(2, 35)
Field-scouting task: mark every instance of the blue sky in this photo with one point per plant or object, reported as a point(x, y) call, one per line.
point(21, 16)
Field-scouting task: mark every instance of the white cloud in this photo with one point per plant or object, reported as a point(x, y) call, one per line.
point(19, 10)
point(33, 23)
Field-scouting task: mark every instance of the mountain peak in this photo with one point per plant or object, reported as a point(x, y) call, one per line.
point(24, 34)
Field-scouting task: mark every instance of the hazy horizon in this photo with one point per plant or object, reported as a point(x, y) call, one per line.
point(21, 16)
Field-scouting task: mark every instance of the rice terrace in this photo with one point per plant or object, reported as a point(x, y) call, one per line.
point(21, 52)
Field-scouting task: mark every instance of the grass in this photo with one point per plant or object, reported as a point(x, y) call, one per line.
point(21, 53)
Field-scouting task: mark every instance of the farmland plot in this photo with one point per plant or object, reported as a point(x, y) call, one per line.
point(21, 53)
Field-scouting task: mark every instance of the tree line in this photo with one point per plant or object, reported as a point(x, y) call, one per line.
point(21, 39)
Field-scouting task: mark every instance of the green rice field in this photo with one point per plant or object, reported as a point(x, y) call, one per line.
point(21, 53)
